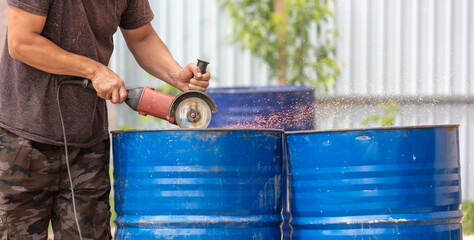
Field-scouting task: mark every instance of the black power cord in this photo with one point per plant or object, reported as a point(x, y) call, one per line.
point(84, 84)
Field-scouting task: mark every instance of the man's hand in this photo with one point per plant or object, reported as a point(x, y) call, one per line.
point(108, 85)
point(191, 78)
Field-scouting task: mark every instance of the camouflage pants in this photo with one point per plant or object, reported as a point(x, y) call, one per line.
point(35, 188)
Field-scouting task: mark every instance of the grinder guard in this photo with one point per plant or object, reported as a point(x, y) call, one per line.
point(190, 94)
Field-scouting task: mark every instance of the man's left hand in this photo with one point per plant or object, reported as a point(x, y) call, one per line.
point(191, 78)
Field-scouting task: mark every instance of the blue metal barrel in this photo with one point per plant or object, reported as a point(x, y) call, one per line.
point(384, 184)
point(290, 108)
point(198, 184)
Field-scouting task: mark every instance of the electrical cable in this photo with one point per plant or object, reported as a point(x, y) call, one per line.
point(67, 156)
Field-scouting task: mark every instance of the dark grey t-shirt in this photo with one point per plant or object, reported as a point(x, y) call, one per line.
point(28, 105)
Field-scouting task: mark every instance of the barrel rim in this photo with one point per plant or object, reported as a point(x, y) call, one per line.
point(260, 89)
point(374, 129)
point(198, 130)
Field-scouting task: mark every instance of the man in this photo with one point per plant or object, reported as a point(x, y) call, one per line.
point(49, 41)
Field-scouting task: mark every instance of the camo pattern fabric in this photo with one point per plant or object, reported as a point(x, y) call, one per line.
point(35, 188)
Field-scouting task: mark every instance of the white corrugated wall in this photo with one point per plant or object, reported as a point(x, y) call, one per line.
point(419, 53)
point(406, 47)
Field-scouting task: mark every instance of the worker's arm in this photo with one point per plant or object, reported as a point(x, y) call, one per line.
point(27, 45)
point(153, 56)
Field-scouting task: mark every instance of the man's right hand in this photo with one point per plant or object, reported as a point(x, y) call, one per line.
point(108, 85)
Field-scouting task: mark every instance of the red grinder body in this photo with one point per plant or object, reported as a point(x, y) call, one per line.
point(155, 103)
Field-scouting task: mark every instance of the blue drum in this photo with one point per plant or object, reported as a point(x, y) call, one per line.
point(290, 108)
point(385, 184)
point(198, 184)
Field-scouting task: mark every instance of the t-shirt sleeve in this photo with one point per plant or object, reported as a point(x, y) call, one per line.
point(137, 14)
point(38, 7)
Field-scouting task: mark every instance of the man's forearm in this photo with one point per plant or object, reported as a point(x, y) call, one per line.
point(42, 54)
point(27, 45)
point(153, 55)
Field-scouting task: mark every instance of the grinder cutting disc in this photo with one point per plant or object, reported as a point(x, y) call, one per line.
point(193, 112)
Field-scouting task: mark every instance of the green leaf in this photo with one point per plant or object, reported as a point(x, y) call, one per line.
point(390, 110)
point(388, 120)
point(371, 119)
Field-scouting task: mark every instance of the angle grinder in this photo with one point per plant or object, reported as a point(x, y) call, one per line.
point(190, 109)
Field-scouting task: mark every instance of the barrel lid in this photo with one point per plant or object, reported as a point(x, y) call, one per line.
point(199, 130)
point(376, 129)
point(260, 89)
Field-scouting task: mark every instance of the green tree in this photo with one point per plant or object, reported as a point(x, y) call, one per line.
point(280, 33)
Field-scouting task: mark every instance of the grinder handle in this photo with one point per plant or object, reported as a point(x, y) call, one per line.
point(88, 84)
point(202, 65)
point(85, 83)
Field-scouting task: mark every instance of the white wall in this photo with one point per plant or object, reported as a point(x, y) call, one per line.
point(406, 47)
point(419, 54)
